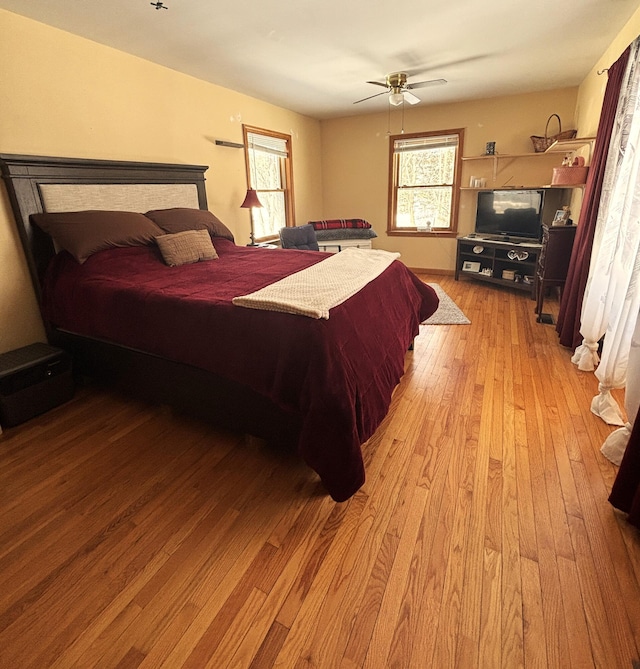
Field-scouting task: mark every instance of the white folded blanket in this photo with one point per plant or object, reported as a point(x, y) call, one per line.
point(315, 290)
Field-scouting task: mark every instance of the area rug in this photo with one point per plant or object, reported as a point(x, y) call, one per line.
point(448, 312)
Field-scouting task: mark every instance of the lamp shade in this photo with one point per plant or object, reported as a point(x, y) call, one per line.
point(250, 200)
point(396, 98)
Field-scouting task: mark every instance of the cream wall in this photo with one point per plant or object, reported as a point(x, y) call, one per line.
point(355, 161)
point(62, 95)
point(591, 91)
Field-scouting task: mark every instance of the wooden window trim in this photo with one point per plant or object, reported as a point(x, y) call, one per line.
point(289, 207)
point(392, 230)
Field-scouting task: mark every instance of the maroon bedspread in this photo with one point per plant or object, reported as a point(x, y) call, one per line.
point(337, 374)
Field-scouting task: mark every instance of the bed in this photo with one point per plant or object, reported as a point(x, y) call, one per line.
point(172, 334)
point(625, 493)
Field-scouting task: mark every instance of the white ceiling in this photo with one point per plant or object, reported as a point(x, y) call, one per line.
point(315, 56)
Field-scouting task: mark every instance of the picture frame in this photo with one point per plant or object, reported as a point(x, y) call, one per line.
point(470, 266)
point(561, 217)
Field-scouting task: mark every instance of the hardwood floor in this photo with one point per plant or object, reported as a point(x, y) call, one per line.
point(132, 537)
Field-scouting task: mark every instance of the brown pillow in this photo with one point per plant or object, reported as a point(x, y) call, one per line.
point(181, 219)
point(186, 247)
point(82, 233)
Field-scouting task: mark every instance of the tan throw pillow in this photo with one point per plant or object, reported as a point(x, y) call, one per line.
point(186, 247)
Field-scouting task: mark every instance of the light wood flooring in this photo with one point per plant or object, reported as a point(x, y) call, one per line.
point(132, 537)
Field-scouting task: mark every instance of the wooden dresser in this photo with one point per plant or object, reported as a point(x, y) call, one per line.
point(553, 261)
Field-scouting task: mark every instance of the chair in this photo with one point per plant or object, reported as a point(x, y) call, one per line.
point(301, 237)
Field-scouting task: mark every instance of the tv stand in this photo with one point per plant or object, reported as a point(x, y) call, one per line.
point(493, 261)
point(504, 239)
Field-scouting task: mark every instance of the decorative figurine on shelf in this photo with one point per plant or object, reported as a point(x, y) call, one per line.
point(490, 149)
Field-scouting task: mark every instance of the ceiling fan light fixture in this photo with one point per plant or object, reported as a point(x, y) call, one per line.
point(398, 90)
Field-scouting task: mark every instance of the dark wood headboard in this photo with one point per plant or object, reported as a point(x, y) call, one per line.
point(24, 176)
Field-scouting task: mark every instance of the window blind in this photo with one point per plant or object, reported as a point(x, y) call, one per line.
point(267, 144)
point(422, 143)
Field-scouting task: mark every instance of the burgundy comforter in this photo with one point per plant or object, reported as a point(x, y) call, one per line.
point(625, 494)
point(337, 374)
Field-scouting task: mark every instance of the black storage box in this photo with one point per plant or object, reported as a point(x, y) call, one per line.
point(33, 379)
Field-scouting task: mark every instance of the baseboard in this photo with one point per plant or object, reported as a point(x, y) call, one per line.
point(439, 272)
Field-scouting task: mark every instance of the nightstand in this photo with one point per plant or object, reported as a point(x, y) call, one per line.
point(33, 379)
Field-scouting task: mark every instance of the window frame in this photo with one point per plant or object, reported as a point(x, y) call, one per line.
point(452, 230)
point(286, 173)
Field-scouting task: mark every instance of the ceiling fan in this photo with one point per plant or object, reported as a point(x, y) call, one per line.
point(399, 90)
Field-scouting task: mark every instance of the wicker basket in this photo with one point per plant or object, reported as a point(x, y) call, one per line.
point(569, 176)
point(541, 144)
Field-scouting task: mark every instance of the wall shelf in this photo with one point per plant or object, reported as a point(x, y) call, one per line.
point(565, 186)
point(559, 146)
point(504, 160)
point(536, 187)
point(499, 156)
point(569, 145)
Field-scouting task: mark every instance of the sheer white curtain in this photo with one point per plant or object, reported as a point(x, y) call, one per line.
point(612, 296)
point(616, 443)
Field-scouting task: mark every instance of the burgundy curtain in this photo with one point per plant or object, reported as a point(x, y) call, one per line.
point(568, 323)
point(625, 494)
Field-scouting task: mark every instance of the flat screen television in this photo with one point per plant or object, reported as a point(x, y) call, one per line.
point(513, 214)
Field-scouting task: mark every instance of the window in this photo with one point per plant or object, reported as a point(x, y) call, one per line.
point(424, 182)
point(268, 160)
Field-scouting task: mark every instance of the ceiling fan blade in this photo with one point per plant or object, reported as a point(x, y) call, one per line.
point(378, 83)
point(418, 71)
point(424, 84)
point(410, 98)
point(369, 98)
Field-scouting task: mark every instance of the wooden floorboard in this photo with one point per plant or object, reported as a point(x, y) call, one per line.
point(131, 536)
